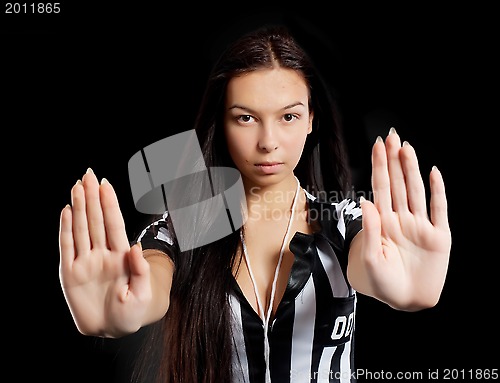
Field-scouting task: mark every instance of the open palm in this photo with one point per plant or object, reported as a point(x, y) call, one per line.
point(105, 281)
point(406, 250)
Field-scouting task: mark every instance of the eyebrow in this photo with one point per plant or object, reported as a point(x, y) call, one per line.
point(249, 110)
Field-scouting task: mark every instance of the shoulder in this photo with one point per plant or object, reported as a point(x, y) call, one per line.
point(157, 230)
point(339, 221)
point(344, 208)
point(158, 235)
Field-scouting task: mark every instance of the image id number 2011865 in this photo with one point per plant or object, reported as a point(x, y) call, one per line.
point(32, 8)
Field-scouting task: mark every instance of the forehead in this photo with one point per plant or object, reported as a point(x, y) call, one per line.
point(267, 87)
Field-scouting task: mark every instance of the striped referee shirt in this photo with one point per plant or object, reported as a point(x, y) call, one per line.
point(311, 336)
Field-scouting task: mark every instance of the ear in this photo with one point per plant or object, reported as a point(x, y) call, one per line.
point(310, 127)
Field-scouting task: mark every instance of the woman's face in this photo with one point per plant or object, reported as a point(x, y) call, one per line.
point(266, 122)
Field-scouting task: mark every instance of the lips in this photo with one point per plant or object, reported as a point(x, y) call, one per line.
point(269, 163)
point(269, 167)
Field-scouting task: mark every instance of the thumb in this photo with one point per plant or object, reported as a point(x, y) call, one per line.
point(372, 228)
point(139, 270)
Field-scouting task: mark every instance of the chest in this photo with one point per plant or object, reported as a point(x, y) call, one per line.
point(262, 265)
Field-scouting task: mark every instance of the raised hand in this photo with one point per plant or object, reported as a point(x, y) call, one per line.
point(404, 249)
point(106, 282)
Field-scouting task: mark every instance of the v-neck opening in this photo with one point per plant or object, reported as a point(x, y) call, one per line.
point(291, 286)
point(243, 298)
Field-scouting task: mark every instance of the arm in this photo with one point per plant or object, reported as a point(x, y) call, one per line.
point(401, 255)
point(111, 289)
point(161, 270)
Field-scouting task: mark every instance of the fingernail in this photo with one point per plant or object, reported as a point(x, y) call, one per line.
point(379, 139)
point(78, 182)
point(89, 170)
point(405, 143)
point(104, 181)
point(435, 168)
point(392, 131)
point(362, 199)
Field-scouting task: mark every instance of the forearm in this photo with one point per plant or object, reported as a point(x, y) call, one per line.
point(162, 269)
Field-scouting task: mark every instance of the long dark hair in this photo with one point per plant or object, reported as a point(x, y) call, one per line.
point(193, 342)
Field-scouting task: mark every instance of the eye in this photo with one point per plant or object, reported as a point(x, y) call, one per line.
point(289, 117)
point(245, 118)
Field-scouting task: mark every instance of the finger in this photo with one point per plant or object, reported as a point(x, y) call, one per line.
point(94, 210)
point(397, 178)
point(414, 183)
point(66, 241)
point(380, 177)
point(80, 225)
point(372, 229)
point(139, 268)
point(113, 218)
point(438, 200)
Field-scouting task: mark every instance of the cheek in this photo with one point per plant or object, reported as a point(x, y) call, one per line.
point(296, 144)
point(236, 146)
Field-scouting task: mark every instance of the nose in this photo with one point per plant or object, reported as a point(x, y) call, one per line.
point(267, 139)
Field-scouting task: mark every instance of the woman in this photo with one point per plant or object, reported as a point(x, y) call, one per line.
point(275, 300)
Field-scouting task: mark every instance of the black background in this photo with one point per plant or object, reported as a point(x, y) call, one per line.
point(91, 86)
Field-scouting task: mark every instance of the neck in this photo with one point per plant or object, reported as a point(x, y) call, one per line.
point(272, 198)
